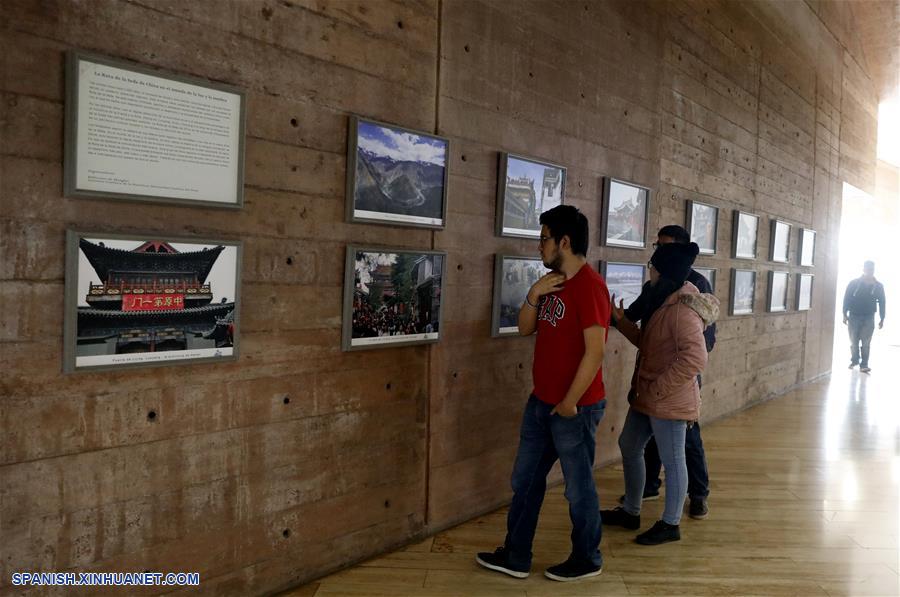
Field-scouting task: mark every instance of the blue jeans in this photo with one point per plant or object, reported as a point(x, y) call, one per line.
point(861, 328)
point(670, 436)
point(543, 440)
point(695, 456)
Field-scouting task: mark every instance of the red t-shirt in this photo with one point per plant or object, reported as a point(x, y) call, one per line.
point(562, 318)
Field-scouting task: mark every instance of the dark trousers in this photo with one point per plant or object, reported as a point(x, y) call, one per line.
point(698, 474)
point(544, 439)
point(861, 328)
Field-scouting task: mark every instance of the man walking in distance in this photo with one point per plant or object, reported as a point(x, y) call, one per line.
point(860, 300)
point(698, 473)
point(570, 310)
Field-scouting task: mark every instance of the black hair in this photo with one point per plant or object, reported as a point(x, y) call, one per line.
point(681, 236)
point(566, 220)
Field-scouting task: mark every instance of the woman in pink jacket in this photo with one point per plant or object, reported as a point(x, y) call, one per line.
point(664, 394)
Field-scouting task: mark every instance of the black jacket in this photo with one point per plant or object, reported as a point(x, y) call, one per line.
point(862, 299)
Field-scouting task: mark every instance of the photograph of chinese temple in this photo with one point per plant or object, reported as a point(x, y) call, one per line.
point(140, 301)
point(530, 188)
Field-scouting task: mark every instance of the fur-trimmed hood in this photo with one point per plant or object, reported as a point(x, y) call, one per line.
point(705, 305)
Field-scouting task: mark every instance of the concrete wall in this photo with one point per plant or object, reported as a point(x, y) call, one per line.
point(298, 458)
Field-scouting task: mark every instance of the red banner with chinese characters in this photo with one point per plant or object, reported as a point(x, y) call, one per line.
point(152, 302)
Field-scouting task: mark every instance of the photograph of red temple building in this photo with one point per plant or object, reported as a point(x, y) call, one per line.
point(150, 296)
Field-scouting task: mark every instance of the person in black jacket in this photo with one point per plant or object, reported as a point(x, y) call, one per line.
point(698, 472)
point(862, 297)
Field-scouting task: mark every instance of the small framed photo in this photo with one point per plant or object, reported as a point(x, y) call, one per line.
point(395, 175)
point(526, 188)
point(780, 241)
point(703, 225)
point(743, 291)
point(514, 276)
point(746, 229)
point(138, 133)
point(804, 292)
point(710, 274)
point(807, 246)
point(149, 300)
point(626, 209)
point(624, 280)
point(777, 299)
point(391, 297)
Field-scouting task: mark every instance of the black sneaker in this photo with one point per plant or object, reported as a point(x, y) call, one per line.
point(572, 570)
point(499, 561)
point(660, 532)
point(852, 365)
point(620, 518)
point(647, 497)
point(865, 369)
point(698, 508)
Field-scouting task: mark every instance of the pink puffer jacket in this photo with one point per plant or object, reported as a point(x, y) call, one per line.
point(672, 355)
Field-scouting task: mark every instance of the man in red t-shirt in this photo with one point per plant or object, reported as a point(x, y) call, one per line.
point(569, 309)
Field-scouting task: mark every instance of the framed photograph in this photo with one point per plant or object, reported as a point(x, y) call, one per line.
point(702, 222)
point(525, 189)
point(391, 297)
point(744, 235)
point(710, 274)
point(743, 291)
point(780, 241)
point(513, 276)
point(395, 175)
point(624, 280)
point(804, 292)
point(138, 133)
point(807, 246)
point(626, 207)
point(777, 299)
point(149, 300)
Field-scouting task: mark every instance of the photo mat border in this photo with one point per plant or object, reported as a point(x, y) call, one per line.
point(773, 226)
point(502, 168)
point(70, 314)
point(602, 268)
point(770, 296)
point(350, 189)
point(802, 244)
point(812, 283)
point(737, 214)
point(732, 294)
point(499, 259)
point(604, 215)
point(689, 220)
point(347, 301)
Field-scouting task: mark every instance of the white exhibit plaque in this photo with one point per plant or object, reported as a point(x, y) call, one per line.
point(136, 133)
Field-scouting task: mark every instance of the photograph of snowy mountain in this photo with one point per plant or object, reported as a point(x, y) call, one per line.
point(396, 175)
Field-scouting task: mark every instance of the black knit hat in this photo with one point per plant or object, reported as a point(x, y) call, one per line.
point(673, 261)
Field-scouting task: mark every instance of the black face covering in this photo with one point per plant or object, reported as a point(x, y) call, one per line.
point(673, 261)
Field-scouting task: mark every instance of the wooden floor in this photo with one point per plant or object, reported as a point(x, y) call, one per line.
point(804, 502)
